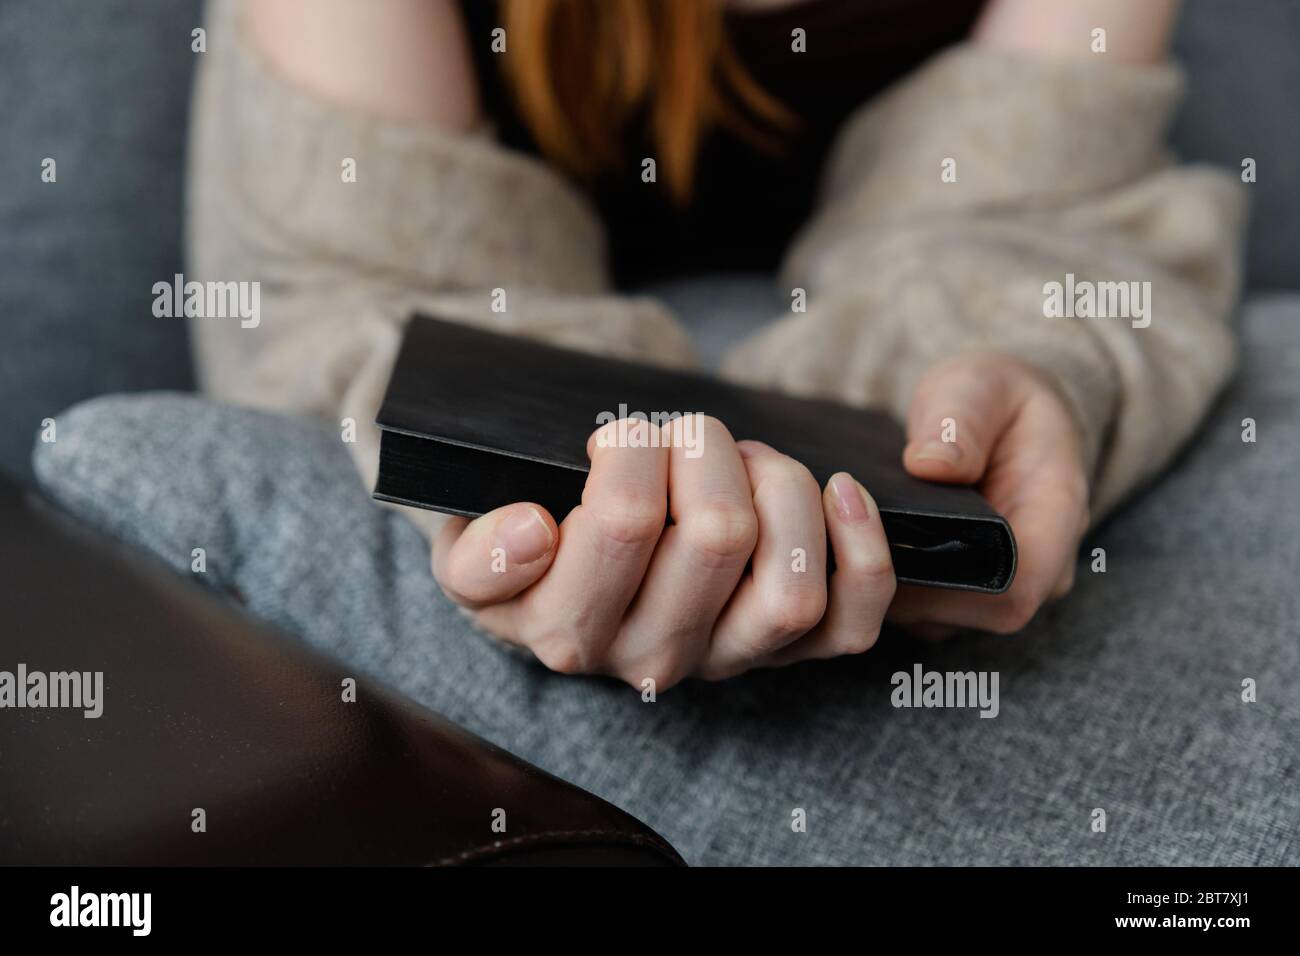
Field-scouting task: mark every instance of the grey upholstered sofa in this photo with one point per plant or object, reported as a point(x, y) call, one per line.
point(1200, 589)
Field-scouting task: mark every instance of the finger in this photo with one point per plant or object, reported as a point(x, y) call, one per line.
point(863, 582)
point(1036, 480)
point(1044, 529)
point(494, 557)
point(570, 617)
point(957, 413)
point(1065, 583)
point(784, 595)
point(698, 562)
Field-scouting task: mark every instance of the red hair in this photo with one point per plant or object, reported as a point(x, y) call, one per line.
point(581, 70)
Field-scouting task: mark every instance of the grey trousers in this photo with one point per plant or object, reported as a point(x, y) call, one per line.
point(1122, 704)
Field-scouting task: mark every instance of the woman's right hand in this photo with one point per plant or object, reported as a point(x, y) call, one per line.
point(615, 590)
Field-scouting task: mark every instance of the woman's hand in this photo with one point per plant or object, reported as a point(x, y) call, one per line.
point(737, 580)
point(1016, 439)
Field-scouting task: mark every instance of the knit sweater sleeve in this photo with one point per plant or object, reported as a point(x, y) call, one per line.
point(954, 202)
point(350, 223)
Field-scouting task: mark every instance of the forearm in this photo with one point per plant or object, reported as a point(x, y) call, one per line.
point(402, 60)
point(1136, 32)
point(1060, 171)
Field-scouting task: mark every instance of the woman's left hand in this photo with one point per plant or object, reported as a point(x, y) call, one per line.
point(1015, 438)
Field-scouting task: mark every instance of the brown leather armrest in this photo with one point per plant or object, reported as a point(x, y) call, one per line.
point(205, 707)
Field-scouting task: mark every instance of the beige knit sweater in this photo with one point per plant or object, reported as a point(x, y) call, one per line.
point(1059, 170)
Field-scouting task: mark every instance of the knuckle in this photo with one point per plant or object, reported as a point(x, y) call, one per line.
point(798, 473)
point(712, 423)
point(562, 655)
point(790, 612)
point(874, 563)
point(781, 473)
point(1066, 585)
point(876, 570)
point(789, 468)
point(884, 583)
point(848, 641)
point(1015, 614)
point(556, 621)
point(630, 518)
point(721, 533)
point(677, 430)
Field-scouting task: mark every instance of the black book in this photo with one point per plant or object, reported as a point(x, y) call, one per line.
point(474, 420)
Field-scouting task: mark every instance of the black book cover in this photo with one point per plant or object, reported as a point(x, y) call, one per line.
point(474, 420)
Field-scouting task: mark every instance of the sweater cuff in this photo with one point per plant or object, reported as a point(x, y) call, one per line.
point(827, 353)
point(446, 210)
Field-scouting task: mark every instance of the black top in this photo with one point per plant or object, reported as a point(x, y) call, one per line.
point(747, 203)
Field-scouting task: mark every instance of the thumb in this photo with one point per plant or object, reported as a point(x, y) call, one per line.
point(958, 411)
point(493, 558)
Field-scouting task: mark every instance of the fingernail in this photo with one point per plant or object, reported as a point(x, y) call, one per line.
point(525, 536)
point(944, 451)
point(850, 499)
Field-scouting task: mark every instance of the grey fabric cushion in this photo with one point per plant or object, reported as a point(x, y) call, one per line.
point(1125, 697)
point(1243, 74)
point(102, 88)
